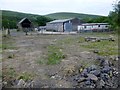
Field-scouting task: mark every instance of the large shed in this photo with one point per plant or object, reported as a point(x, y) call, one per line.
point(63, 25)
point(25, 23)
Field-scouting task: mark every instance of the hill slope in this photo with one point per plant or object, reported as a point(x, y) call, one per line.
point(64, 15)
point(18, 14)
point(12, 17)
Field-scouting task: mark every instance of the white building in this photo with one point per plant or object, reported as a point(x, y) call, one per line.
point(93, 27)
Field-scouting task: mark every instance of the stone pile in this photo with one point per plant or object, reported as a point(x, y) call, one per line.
point(96, 39)
point(104, 75)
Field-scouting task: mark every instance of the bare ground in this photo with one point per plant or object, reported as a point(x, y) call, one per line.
point(28, 50)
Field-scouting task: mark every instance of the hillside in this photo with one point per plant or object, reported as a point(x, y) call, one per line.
point(13, 18)
point(64, 15)
point(18, 14)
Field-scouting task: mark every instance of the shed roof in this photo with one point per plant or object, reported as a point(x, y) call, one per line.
point(23, 20)
point(87, 24)
point(60, 20)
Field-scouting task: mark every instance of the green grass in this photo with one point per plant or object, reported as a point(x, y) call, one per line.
point(7, 46)
point(99, 34)
point(54, 55)
point(105, 48)
point(67, 40)
point(41, 60)
point(0, 48)
point(25, 76)
point(7, 43)
point(8, 74)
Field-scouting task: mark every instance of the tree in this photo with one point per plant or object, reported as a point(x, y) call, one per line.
point(114, 17)
point(42, 20)
point(101, 19)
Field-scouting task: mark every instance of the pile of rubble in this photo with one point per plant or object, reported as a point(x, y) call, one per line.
point(102, 75)
point(105, 75)
point(98, 39)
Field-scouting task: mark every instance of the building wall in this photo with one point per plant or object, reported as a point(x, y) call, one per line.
point(54, 26)
point(100, 27)
point(93, 27)
point(24, 24)
point(75, 23)
point(70, 25)
point(20, 27)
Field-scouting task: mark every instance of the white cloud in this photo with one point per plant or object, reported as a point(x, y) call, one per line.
point(41, 7)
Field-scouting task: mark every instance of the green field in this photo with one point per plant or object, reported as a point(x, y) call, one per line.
point(64, 15)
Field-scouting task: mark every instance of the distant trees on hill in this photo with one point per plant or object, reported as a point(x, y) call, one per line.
point(10, 19)
point(42, 20)
point(9, 22)
point(101, 19)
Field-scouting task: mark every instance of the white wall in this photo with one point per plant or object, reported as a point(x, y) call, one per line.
point(92, 27)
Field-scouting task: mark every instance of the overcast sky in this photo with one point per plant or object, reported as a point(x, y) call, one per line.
point(42, 7)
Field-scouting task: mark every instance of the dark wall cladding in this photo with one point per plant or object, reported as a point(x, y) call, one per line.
point(26, 23)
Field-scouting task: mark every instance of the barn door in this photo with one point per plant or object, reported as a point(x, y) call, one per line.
point(68, 27)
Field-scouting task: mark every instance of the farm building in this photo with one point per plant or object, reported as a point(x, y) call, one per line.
point(64, 25)
point(24, 24)
point(86, 27)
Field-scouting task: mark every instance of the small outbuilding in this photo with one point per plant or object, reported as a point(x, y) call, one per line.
point(93, 27)
point(25, 23)
point(63, 25)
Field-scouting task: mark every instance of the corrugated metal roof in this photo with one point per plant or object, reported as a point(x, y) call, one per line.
point(95, 24)
point(60, 20)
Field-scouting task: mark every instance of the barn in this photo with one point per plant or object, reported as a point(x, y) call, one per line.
point(24, 24)
point(63, 25)
point(93, 27)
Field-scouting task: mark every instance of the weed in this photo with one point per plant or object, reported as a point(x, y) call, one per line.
point(86, 63)
point(41, 61)
point(81, 40)
point(54, 55)
point(105, 47)
point(8, 74)
point(7, 46)
point(11, 56)
point(25, 76)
